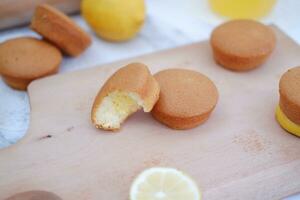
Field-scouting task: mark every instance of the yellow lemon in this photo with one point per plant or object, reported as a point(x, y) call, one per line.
point(114, 20)
point(245, 9)
point(286, 123)
point(164, 184)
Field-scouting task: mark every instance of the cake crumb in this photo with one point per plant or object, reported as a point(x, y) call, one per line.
point(70, 128)
point(250, 142)
point(46, 137)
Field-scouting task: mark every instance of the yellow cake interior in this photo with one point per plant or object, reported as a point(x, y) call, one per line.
point(116, 107)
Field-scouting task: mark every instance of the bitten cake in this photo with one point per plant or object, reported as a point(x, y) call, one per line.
point(130, 88)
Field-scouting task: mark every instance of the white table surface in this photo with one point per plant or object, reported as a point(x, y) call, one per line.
point(169, 23)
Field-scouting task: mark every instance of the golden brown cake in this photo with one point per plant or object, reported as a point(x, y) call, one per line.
point(34, 195)
point(130, 88)
point(60, 30)
point(25, 59)
point(241, 45)
point(186, 100)
point(288, 111)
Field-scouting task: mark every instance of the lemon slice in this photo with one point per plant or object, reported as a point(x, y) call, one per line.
point(164, 184)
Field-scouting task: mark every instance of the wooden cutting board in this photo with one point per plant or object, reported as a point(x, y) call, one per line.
point(239, 153)
point(19, 12)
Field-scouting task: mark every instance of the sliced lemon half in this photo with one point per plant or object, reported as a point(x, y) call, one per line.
point(164, 184)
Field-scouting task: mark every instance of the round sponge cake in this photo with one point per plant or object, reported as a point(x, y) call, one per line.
point(58, 28)
point(25, 59)
point(288, 112)
point(186, 100)
point(241, 45)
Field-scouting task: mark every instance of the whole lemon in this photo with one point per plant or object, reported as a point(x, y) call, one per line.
point(114, 20)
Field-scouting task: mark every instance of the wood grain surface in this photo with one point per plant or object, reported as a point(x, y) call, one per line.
point(239, 153)
point(19, 12)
